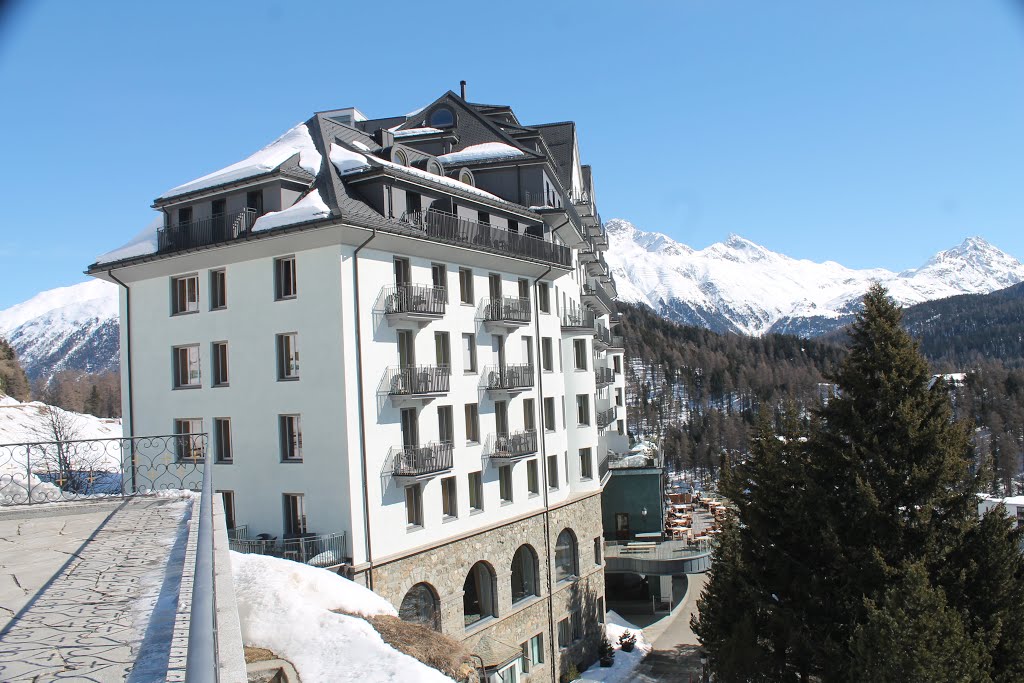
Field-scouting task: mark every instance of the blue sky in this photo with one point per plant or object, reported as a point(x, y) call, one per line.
point(873, 133)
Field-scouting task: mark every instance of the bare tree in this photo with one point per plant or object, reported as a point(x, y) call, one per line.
point(58, 429)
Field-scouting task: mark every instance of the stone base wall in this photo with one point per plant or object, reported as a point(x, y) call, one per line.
point(445, 568)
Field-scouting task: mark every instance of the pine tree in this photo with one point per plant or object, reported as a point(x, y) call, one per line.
point(93, 404)
point(13, 381)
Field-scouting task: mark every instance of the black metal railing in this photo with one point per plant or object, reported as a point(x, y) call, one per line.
point(507, 309)
point(416, 461)
point(605, 418)
point(412, 380)
point(578, 318)
point(603, 376)
point(512, 445)
point(599, 294)
point(425, 300)
point(82, 469)
point(450, 228)
point(221, 227)
point(602, 335)
point(508, 377)
point(618, 342)
point(318, 550)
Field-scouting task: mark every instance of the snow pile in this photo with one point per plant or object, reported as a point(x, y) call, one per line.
point(625, 663)
point(309, 208)
point(295, 141)
point(142, 244)
point(286, 607)
point(481, 152)
point(347, 161)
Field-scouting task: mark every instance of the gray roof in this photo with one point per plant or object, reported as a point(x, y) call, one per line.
point(559, 138)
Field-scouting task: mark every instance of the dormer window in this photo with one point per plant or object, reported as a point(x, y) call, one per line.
point(442, 117)
point(466, 176)
point(434, 167)
point(399, 157)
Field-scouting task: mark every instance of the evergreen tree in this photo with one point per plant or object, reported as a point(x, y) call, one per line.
point(93, 404)
point(13, 381)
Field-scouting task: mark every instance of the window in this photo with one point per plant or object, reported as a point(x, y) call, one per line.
point(533, 653)
point(549, 413)
point(617, 362)
point(524, 290)
point(483, 217)
point(186, 366)
point(524, 574)
point(473, 423)
point(528, 352)
point(254, 201)
point(620, 428)
point(184, 294)
point(398, 156)
point(582, 409)
point(579, 347)
point(501, 417)
point(476, 492)
point(449, 499)
point(414, 505)
point(442, 117)
point(478, 599)
point(222, 439)
point(529, 421)
point(421, 606)
point(439, 278)
point(468, 353)
point(219, 354)
point(185, 215)
point(513, 226)
point(294, 514)
point(466, 286)
point(586, 464)
point(564, 633)
point(284, 278)
point(532, 479)
point(227, 499)
point(566, 564)
point(445, 424)
point(189, 442)
point(413, 203)
point(547, 357)
point(618, 396)
point(291, 438)
point(576, 619)
point(288, 356)
point(553, 471)
point(442, 350)
point(466, 177)
point(218, 290)
point(598, 547)
point(543, 297)
point(505, 483)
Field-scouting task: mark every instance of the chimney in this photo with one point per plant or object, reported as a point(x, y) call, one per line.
point(462, 88)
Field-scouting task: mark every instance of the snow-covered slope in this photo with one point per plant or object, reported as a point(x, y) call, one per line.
point(66, 328)
point(25, 422)
point(739, 286)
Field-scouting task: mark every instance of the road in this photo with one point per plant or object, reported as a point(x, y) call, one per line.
point(676, 654)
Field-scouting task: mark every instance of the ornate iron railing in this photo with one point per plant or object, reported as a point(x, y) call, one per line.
point(50, 471)
point(417, 461)
point(449, 228)
point(513, 445)
point(603, 376)
point(507, 309)
point(413, 380)
point(410, 299)
point(221, 227)
point(519, 376)
point(605, 418)
point(319, 550)
point(578, 318)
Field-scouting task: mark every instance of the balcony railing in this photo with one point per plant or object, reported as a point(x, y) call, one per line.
point(605, 418)
point(415, 380)
point(618, 342)
point(415, 300)
point(514, 445)
point(318, 550)
point(603, 376)
point(449, 228)
point(579, 318)
point(507, 309)
point(419, 461)
point(602, 336)
point(598, 293)
point(221, 227)
point(598, 266)
point(509, 377)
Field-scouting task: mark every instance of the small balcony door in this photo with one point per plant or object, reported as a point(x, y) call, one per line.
point(406, 349)
point(494, 285)
point(439, 277)
point(498, 346)
point(501, 417)
point(528, 351)
point(403, 272)
point(622, 526)
point(410, 428)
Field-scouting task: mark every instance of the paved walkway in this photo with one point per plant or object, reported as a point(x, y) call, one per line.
point(90, 591)
point(676, 654)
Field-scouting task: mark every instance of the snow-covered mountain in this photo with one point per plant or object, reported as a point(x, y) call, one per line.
point(739, 286)
point(74, 328)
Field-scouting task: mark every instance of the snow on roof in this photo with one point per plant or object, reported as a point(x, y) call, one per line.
point(414, 131)
point(309, 208)
point(296, 140)
point(358, 144)
point(142, 244)
point(286, 607)
point(444, 180)
point(347, 161)
point(486, 150)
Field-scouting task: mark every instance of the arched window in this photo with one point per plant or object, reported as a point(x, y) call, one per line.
point(524, 574)
point(398, 156)
point(434, 167)
point(466, 176)
point(442, 117)
point(478, 594)
point(566, 556)
point(421, 606)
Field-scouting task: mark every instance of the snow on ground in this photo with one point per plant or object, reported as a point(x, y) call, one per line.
point(309, 208)
point(295, 141)
point(625, 662)
point(285, 606)
point(142, 244)
point(486, 150)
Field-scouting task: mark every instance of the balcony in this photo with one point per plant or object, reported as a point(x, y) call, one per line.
point(596, 297)
point(509, 379)
point(218, 228)
point(578, 319)
point(599, 236)
point(603, 376)
point(412, 383)
point(598, 267)
point(618, 342)
point(446, 227)
point(605, 418)
point(318, 550)
point(506, 312)
point(414, 303)
point(421, 461)
point(512, 446)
